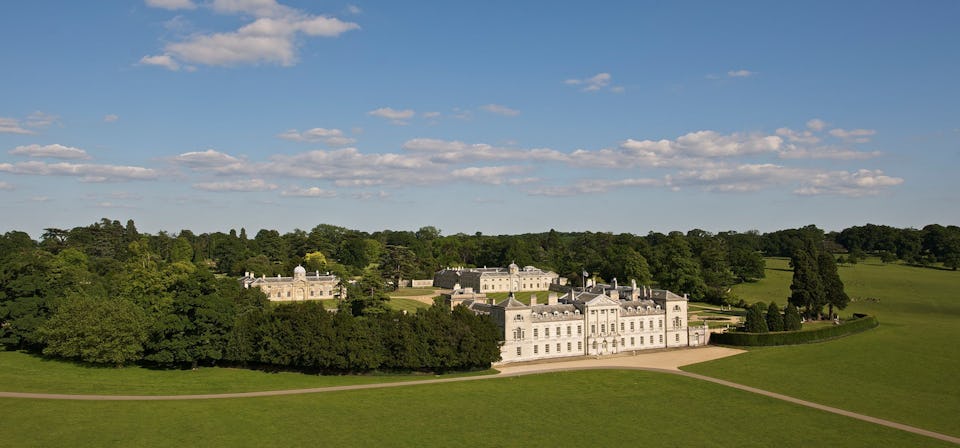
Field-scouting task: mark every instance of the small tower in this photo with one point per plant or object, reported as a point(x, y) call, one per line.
point(299, 274)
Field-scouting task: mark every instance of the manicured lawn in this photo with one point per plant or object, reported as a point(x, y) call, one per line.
point(904, 370)
point(409, 305)
point(407, 292)
point(596, 408)
point(20, 372)
point(521, 296)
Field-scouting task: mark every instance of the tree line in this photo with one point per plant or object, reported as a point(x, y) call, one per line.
point(177, 299)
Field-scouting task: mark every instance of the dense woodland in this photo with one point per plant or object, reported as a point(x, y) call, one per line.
point(109, 294)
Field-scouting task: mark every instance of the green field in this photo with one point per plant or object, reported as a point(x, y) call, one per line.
point(595, 408)
point(20, 372)
point(521, 296)
point(409, 305)
point(904, 370)
point(407, 292)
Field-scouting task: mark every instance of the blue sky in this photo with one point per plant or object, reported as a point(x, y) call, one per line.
point(499, 117)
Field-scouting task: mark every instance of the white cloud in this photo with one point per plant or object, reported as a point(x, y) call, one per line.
point(40, 119)
point(354, 9)
point(86, 172)
point(826, 152)
point(171, 4)
point(500, 110)
point(446, 151)
point(54, 151)
point(595, 83)
point(161, 60)
point(740, 73)
point(595, 186)
point(312, 192)
point(798, 136)
point(333, 137)
point(36, 120)
point(431, 115)
point(853, 135)
point(110, 118)
point(396, 116)
point(244, 185)
point(817, 125)
point(6, 186)
point(13, 126)
point(704, 144)
point(859, 183)
point(367, 195)
point(270, 38)
point(494, 175)
point(208, 158)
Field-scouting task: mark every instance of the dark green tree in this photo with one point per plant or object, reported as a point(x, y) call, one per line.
point(755, 322)
point(833, 291)
point(774, 318)
point(96, 330)
point(791, 318)
point(807, 290)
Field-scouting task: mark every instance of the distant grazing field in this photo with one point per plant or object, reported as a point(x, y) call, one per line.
point(521, 296)
point(592, 408)
point(20, 372)
point(905, 370)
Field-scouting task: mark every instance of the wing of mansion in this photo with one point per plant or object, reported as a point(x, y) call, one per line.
point(594, 320)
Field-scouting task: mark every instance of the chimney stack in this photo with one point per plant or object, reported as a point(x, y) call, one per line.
point(551, 298)
point(533, 299)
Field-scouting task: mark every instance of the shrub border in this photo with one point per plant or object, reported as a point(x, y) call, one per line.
point(859, 323)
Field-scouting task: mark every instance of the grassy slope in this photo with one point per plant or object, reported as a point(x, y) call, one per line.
point(521, 296)
point(600, 408)
point(24, 373)
point(904, 370)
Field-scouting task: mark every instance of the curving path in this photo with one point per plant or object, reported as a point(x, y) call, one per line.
point(667, 362)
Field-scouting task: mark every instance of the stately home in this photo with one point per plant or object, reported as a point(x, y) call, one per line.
point(594, 320)
point(301, 286)
point(508, 279)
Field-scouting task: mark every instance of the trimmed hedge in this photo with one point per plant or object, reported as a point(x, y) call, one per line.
point(855, 325)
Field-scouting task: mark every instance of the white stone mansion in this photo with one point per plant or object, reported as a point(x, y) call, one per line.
point(508, 279)
point(300, 287)
point(596, 320)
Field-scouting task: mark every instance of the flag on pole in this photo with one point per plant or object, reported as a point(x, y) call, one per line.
point(585, 275)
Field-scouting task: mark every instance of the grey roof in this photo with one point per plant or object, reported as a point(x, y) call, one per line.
point(511, 303)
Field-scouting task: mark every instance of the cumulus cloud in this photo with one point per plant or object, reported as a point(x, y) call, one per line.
point(6, 186)
point(595, 83)
point(595, 186)
point(312, 192)
point(452, 151)
point(500, 110)
point(161, 60)
point(332, 137)
point(110, 118)
point(494, 175)
point(862, 182)
point(85, 171)
point(354, 9)
point(853, 135)
point(172, 4)
point(270, 38)
point(13, 126)
point(394, 115)
point(817, 125)
point(36, 120)
point(208, 158)
point(740, 73)
point(54, 151)
point(244, 185)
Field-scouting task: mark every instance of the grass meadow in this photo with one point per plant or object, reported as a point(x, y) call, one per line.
point(901, 371)
point(904, 370)
point(588, 408)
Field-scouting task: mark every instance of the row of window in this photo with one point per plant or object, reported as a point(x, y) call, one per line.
point(546, 331)
point(603, 327)
point(546, 347)
point(322, 293)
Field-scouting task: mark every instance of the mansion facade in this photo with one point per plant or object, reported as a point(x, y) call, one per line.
point(300, 287)
point(594, 321)
point(486, 280)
